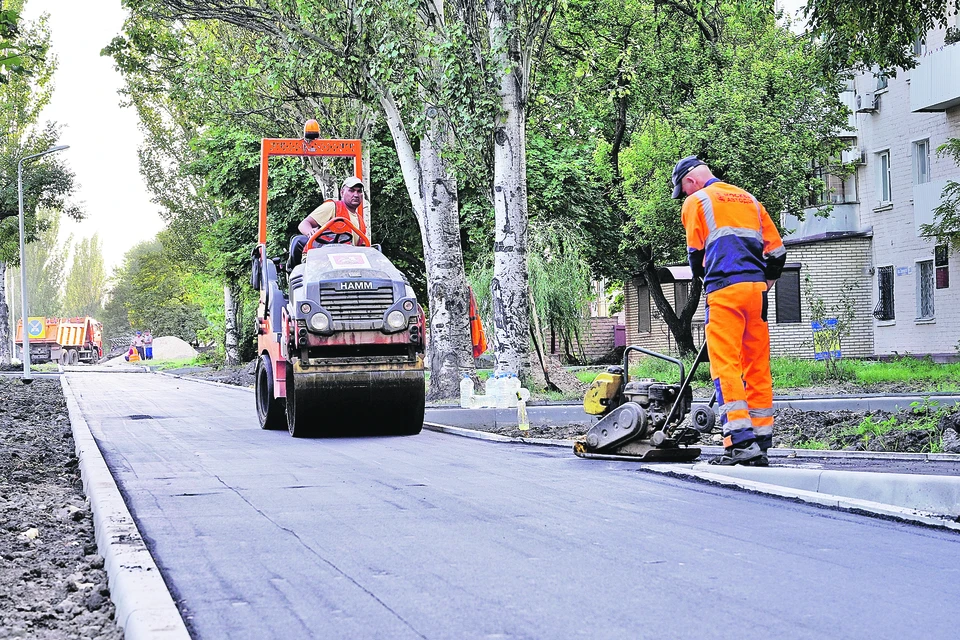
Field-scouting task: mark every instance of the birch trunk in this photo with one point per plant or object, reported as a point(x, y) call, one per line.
point(509, 286)
point(433, 194)
point(231, 335)
point(5, 341)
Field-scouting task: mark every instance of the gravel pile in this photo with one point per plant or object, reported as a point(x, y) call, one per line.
point(52, 582)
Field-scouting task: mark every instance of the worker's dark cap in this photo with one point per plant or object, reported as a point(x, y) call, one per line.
point(351, 182)
point(685, 166)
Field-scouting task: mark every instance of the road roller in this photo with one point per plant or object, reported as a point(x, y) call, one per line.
point(644, 419)
point(341, 345)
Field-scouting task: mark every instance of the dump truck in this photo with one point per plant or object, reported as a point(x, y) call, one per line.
point(64, 340)
point(341, 334)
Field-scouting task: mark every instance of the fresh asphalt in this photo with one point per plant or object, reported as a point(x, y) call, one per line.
point(259, 535)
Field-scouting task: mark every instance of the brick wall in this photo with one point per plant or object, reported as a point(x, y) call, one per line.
point(829, 264)
point(596, 337)
point(659, 337)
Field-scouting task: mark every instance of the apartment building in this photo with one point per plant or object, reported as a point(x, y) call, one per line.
point(900, 123)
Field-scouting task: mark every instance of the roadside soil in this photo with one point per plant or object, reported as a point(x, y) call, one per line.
point(52, 582)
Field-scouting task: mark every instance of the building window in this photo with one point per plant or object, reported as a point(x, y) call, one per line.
point(921, 162)
point(829, 188)
point(942, 265)
point(681, 293)
point(787, 293)
point(881, 81)
point(885, 307)
point(643, 309)
point(925, 309)
point(883, 179)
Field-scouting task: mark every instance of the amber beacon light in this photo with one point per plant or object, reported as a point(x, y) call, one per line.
point(311, 130)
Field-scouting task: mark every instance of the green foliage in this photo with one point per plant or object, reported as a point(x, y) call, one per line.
point(46, 259)
point(18, 53)
point(813, 444)
point(559, 280)
point(86, 285)
point(47, 183)
point(829, 337)
point(152, 291)
point(866, 33)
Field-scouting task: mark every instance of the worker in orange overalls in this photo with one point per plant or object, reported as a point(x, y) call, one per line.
point(734, 246)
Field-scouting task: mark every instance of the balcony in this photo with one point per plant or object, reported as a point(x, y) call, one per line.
point(926, 198)
point(935, 83)
point(842, 219)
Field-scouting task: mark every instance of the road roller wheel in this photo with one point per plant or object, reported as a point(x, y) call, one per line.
point(270, 411)
point(300, 422)
point(355, 402)
point(410, 421)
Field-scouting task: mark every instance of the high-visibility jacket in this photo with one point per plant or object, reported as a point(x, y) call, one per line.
point(477, 335)
point(730, 237)
point(321, 216)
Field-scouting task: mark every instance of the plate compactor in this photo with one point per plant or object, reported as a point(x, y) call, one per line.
point(342, 353)
point(643, 419)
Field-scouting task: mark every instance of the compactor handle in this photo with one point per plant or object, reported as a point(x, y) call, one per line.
point(337, 225)
point(626, 361)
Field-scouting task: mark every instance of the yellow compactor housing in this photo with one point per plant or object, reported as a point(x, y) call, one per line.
point(602, 392)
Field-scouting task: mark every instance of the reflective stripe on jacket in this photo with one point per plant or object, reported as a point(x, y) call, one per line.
point(732, 233)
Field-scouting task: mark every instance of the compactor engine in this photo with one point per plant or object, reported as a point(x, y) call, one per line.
point(643, 418)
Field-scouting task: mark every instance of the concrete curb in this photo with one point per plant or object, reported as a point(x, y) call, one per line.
point(145, 609)
point(495, 437)
point(821, 498)
point(929, 494)
point(202, 381)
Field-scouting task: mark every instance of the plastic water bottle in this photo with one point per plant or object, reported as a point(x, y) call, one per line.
point(501, 393)
point(523, 423)
point(489, 397)
point(466, 391)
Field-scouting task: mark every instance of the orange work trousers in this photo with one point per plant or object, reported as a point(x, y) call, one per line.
point(738, 340)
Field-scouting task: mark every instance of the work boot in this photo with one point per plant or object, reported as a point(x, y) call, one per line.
point(764, 442)
point(746, 455)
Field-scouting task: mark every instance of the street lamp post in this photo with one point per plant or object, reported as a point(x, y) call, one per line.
point(23, 263)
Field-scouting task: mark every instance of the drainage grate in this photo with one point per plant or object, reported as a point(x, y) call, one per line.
point(140, 416)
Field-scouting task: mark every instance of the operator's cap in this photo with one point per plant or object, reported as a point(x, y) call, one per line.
point(685, 166)
point(351, 182)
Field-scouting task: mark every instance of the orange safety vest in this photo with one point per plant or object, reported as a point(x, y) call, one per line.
point(477, 336)
point(343, 212)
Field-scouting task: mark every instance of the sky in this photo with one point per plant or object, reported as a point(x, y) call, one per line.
point(103, 137)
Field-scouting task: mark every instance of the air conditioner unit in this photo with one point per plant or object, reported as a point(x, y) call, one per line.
point(866, 102)
point(853, 156)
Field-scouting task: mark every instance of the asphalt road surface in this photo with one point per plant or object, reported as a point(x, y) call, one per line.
point(260, 535)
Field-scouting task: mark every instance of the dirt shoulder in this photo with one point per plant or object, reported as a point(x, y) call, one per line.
point(52, 582)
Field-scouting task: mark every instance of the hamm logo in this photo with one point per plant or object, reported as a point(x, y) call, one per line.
point(355, 286)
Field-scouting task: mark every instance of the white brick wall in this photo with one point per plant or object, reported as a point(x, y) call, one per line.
point(893, 126)
point(828, 263)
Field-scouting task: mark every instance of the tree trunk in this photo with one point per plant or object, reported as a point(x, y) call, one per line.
point(509, 285)
point(433, 194)
point(231, 335)
point(5, 354)
point(679, 325)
